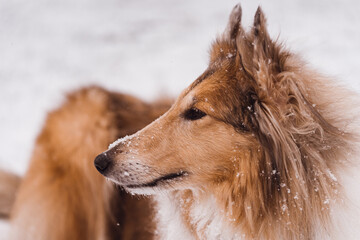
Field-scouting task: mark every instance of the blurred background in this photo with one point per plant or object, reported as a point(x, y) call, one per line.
point(145, 48)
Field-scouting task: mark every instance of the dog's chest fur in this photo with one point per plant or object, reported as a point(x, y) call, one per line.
point(184, 216)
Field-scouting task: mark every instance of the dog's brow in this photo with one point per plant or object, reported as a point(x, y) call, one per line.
point(208, 72)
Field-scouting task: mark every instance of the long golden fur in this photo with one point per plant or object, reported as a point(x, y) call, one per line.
point(252, 149)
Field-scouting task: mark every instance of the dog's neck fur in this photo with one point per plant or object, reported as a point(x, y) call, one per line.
point(192, 215)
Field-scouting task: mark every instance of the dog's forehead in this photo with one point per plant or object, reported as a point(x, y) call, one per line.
point(216, 80)
point(205, 83)
point(213, 69)
point(207, 73)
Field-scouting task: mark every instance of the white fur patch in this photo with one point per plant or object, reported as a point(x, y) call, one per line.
point(210, 221)
point(205, 215)
point(170, 224)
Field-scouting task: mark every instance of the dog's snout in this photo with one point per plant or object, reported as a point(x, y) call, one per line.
point(102, 162)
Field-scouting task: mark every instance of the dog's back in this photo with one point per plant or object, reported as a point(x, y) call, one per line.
point(62, 196)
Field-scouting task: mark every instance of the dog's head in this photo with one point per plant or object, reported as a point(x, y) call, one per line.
point(247, 120)
point(206, 131)
point(253, 129)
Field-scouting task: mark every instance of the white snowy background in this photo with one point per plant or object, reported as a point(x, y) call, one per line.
point(146, 48)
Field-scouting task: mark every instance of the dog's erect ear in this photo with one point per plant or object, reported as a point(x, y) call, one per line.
point(262, 42)
point(260, 56)
point(234, 23)
point(268, 58)
point(224, 46)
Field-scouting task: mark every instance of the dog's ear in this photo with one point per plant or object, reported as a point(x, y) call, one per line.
point(261, 56)
point(267, 54)
point(263, 46)
point(234, 23)
point(224, 46)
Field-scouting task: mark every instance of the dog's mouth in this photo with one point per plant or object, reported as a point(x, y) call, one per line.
point(163, 179)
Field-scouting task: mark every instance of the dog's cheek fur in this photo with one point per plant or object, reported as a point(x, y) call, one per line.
point(211, 151)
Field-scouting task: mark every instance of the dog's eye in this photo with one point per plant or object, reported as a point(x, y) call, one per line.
point(194, 114)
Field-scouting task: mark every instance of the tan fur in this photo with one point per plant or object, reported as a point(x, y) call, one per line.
point(274, 137)
point(62, 196)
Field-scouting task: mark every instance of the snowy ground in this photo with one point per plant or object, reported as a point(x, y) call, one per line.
point(146, 48)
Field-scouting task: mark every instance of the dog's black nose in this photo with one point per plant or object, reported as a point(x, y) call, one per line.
point(102, 162)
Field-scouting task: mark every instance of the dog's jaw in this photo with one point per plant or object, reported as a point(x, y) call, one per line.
point(145, 182)
point(165, 179)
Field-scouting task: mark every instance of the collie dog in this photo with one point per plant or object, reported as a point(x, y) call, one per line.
point(252, 149)
point(255, 148)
